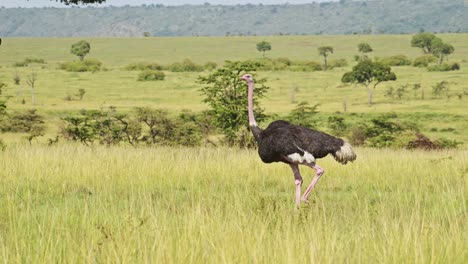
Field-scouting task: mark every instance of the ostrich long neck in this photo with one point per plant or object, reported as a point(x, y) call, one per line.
point(252, 121)
point(256, 131)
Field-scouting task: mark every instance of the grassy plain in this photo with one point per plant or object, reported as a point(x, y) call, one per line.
point(119, 88)
point(75, 204)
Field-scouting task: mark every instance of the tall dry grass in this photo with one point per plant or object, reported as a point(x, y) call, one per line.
point(75, 204)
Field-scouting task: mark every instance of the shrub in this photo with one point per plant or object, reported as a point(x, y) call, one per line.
point(34, 60)
point(88, 65)
point(284, 60)
point(424, 61)
point(268, 64)
point(2, 145)
point(306, 66)
point(445, 67)
point(151, 75)
point(186, 66)
point(16, 78)
point(140, 66)
point(337, 125)
point(337, 63)
point(20, 64)
point(448, 143)
point(24, 122)
point(209, 66)
point(440, 88)
point(303, 115)
point(357, 135)
point(397, 60)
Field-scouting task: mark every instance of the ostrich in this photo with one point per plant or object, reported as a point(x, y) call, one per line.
point(295, 145)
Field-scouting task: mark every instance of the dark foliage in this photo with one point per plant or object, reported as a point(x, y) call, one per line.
point(144, 126)
point(397, 60)
point(151, 75)
point(88, 65)
point(28, 121)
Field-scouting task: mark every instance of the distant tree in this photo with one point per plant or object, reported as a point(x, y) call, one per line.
point(364, 48)
point(441, 49)
point(80, 49)
point(32, 78)
point(423, 41)
point(325, 51)
point(81, 93)
point(369, 74)
point(146, 34)
point(263, 47)
point(76, 2)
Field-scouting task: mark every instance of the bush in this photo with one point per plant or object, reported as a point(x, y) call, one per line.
point(145, 125)
point(20, 64)
point(284, 60)
point(151, 75)
point(209, 66)
point(448, 143)
point(424, 61)
point(357, 135)
point(397, 60)
point(337, 125)
point(2, 145)
point(34, 60)
point(186, 66)
point(140, 66)
point(268, 64)
point(89, 65)
point(27, 61)
point(24, 122)
point(337, 63)
point(306, 66)
point(303, 115)
point(444, 67)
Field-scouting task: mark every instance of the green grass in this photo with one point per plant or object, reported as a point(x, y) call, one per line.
point(74, 204)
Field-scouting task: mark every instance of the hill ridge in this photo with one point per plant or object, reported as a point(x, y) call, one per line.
point(344, 17)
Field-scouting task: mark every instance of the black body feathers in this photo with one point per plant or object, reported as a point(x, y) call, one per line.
point(281, 139)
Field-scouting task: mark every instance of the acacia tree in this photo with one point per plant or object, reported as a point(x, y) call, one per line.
point(423, 41)
point(263, 47)
point(325, 51)
point(226, 94)
point(80, 49)
point(369, 74)
point(364, 48)
point(441, 49)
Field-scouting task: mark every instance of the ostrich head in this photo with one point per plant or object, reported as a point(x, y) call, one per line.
point(247, 77)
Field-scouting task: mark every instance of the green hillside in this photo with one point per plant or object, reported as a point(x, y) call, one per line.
point(344, 17)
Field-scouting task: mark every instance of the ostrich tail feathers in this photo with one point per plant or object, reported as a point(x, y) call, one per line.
point(345, 154)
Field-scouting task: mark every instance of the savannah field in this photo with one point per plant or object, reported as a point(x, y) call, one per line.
point(70, 203)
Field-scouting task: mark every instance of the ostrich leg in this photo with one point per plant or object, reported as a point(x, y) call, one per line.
point(298, 182)
point(318, 173)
